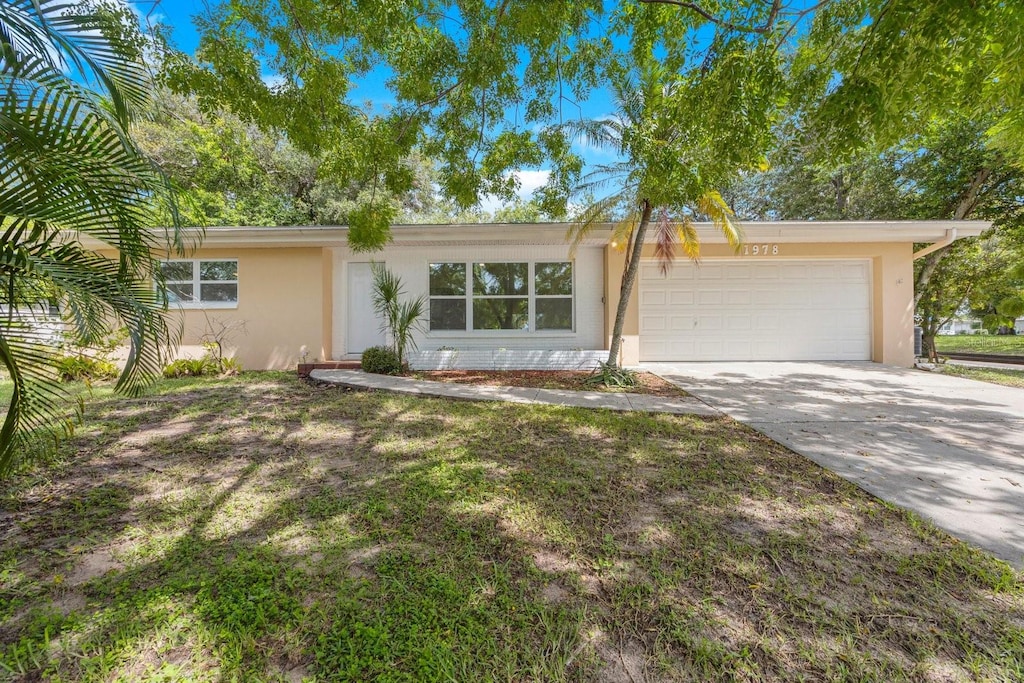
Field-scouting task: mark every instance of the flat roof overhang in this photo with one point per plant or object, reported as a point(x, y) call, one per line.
point(556, 233)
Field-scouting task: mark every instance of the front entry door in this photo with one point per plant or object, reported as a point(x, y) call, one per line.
point(364, 327)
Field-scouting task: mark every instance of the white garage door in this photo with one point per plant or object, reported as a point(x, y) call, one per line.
point(748, 310)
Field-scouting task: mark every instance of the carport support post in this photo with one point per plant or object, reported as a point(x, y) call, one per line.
point(628, 281)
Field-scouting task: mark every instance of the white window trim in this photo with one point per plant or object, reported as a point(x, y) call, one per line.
point(197, 285)
point(531, 296)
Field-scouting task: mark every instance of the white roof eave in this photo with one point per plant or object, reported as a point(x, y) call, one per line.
point(555, 233)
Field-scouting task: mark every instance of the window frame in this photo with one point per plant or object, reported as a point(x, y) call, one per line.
point(531, 296)
point(466, 287)
point(571, 296)
point(197, 283)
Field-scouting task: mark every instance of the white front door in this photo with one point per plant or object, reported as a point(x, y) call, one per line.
point(364, 327)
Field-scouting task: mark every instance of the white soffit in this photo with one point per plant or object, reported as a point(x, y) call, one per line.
point(556, 233)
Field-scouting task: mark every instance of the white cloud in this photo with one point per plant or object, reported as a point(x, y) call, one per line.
point(272, 80)
point(529, 182)
point(148, 16)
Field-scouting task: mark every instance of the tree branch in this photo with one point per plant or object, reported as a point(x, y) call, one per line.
point(767, 26)
point(797, 18)
point(924, 276)
point(870, 36)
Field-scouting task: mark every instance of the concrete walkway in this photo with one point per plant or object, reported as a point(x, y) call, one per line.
point(357, 379)
point(1016, 367)
point(951, 449)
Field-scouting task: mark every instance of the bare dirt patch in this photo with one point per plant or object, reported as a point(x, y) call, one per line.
point(572, 380)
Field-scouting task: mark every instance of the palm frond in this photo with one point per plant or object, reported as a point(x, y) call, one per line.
point(687, 235)
point(666, 237)
point(714, 206)
point(588, 219)
point(89, 42)
point(602, 133)
point(68, 167)
point(622, 231)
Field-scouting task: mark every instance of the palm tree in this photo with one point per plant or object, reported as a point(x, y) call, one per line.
point(71, 83)
point(657, 178)
point(400, 319)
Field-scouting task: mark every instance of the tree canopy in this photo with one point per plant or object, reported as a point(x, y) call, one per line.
point(482, 86)
point(228, 172)
point(946, 170)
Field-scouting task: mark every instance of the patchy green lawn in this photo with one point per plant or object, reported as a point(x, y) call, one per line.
point(980, 343)
point(261, 528)
point(1010, 378)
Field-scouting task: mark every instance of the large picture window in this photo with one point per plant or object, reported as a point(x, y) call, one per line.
point(199, 282)
point(501, 296)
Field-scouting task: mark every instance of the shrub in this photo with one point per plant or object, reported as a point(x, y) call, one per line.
point(230, 366)
point(76, 367)
point(612, 376)
point(381, 360)
point(190, 367)
point(212, 363)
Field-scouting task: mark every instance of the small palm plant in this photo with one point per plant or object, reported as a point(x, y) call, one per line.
point(400, 319)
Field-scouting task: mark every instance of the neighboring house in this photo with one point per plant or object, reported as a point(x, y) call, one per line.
point(973, 326)
point(41, 321)
point(961, 326)
point(513, 296)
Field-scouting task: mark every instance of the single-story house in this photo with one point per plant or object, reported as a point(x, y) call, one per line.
point(513, 296)
point(973, 326)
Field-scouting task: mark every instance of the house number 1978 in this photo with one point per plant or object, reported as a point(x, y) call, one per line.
point(760, 249)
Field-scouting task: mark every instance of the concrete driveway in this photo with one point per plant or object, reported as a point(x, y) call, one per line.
point(950, 449)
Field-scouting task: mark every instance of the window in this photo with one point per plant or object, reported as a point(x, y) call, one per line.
point(501, 296)
point(198, 282)
point(553, 283)
point(447, 296)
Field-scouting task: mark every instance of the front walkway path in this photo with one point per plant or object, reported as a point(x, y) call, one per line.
point(357, 379)
point(948, 448)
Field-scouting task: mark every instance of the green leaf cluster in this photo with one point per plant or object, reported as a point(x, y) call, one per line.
point(868, 71)
point(73, 81)
point(228, 172)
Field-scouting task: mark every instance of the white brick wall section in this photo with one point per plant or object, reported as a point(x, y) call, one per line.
point(506, 359)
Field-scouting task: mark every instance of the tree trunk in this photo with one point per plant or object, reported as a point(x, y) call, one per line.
point(842, 193)
point(924, 276)
point(628, 281)
point(964, 207)
point(928, 342)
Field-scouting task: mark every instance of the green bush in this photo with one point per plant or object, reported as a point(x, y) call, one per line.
point(381, 360)
point(230, 366)
point(190, 367)
point(76, 367)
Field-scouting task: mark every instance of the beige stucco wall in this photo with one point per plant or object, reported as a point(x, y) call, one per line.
point(892, 293)
point(283, 305)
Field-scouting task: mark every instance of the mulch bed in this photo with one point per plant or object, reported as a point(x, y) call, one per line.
point(550, 379)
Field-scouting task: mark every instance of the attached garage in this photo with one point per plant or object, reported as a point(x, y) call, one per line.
point(747, 310)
